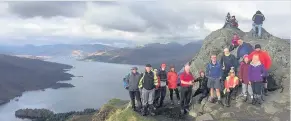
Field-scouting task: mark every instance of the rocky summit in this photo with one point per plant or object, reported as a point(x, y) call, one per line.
point(277, 103)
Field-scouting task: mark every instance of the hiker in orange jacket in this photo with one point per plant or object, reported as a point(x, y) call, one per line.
point(230, 84)
point(265, 59)
point(172, 84)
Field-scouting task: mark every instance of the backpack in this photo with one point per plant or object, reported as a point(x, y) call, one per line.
point(125, 80)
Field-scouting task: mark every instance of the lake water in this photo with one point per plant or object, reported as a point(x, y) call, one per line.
point(100, 83)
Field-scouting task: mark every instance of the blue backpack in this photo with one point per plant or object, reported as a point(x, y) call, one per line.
point(125, 84)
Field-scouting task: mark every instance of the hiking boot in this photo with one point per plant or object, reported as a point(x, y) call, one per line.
point(151, 111)
point(220, 102)
point(254, 101)
point(182, 111)
point(266, 92)
point(144, 111)
point(259, 101)
point(172, 102)
point(211, 100)
point(245, 98)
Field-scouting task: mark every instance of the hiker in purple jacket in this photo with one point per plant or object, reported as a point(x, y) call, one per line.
point(256, 73)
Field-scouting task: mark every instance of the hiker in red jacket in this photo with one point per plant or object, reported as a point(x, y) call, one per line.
point(172, 84)
point(265, 59)
point(244, 78)
point(187, 82)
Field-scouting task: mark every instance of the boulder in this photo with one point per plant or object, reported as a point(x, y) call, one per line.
point(204, 117)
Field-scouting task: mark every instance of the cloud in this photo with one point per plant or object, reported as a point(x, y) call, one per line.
point(28, 9)
point(137, 22)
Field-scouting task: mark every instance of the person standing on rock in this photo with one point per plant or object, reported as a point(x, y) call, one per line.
point(258, 19)
point(243, 49)
point(133, 81)
point(214, 73)
point(202, 87)
point(172, 84)
point(256, 73)
point(227, 20)
point(244, 78)
point(187, 81)
point(230, 84)
point(147, 84)
point(265, 59)
point(162, 75)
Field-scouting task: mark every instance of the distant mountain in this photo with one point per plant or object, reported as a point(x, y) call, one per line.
point(52, 50)
point(154, 53)
point(22, 74)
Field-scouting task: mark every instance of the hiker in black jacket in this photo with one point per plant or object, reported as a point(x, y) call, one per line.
point(202, 87)
point(162, 75)
point(228, 61)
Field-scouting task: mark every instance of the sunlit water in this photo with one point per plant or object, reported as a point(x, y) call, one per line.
point(100, 83)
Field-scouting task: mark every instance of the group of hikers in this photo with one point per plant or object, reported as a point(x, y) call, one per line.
point(257, 18)
point(249, 68)
point(222, 77)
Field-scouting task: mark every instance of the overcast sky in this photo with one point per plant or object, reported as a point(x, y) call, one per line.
point(131, 22)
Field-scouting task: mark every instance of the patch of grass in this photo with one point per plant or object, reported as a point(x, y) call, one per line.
point(128, 115)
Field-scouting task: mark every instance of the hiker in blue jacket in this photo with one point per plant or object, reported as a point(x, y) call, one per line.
point(258, 19)
point(214, 74)
point(244, 49)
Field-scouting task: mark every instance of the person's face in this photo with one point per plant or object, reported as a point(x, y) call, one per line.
point(258, 49)
point(134, 71)
point(187, 68)
point(255, 58)
point(148, 69)
point(172, 69)
point(246, 60)
point(226, 51)
point(213, 58)
point(240, 42)
point(202, 74)
point(232, 74)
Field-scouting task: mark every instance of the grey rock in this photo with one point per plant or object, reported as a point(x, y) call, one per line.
point(269, 108)
point(226, 115)
point(214, 113)
point(278, 49)
point(204, 117)
point(275, 119)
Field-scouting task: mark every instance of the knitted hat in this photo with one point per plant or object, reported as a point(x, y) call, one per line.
point(148, 65)
point(257, 46)
point(245, 56)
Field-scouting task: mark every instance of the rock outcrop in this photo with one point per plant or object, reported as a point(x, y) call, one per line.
point(279, 50)
point(275, 104)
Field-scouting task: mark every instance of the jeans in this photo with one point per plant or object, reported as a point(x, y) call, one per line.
point(257, 88)
point(259, 29)
point(247, 89)
point(186, 94)
point(135, 95)
point(147, 96)
point(177, 93)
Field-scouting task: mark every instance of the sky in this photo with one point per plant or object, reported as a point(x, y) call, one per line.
point(128, 22)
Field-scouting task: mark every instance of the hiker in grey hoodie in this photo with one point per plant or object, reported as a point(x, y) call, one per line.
point(133, 81)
